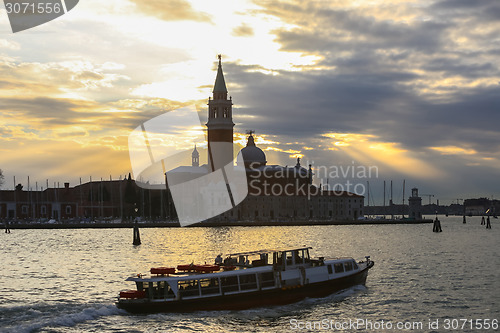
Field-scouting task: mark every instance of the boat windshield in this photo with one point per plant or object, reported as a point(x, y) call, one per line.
point(291, 257)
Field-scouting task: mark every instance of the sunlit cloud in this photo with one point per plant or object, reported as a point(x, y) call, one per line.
point(243, 30)
point(454, 150)
point(173, 10)
point(369, 150)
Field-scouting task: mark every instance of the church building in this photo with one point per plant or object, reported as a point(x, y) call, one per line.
point(275, 193)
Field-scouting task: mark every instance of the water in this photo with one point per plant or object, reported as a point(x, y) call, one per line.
point(68, 280)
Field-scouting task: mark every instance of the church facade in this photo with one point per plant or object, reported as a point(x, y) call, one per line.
point(275, 193)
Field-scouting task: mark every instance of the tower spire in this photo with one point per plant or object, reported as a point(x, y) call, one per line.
point(220, 83)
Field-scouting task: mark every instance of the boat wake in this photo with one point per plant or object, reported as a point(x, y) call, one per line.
point(34, 319)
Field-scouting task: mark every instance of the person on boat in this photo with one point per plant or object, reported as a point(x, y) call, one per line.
point(218, 260)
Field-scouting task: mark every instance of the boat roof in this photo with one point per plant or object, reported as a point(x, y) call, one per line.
point(250, 253)
point(182, 277)
point(266, 251)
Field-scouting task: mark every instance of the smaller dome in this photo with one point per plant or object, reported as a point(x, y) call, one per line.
point(253, 155)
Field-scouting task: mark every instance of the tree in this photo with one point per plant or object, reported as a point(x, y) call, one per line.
point(1, 178)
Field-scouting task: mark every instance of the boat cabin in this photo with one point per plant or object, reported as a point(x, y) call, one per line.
point(204, 285)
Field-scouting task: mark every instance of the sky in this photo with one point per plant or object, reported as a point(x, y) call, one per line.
point(408, 87)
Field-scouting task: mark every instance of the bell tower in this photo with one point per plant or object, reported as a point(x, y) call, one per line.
point(220, 124)
point(195, 158)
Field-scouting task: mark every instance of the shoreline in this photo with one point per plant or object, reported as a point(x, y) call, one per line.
point(211, 224)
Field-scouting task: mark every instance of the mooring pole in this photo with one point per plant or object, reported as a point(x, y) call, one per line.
point(137, 236)
point(488, 223)
point(437, 226)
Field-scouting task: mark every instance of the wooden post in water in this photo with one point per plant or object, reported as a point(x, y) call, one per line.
point(437, 226)
point(465, 221)
point(137, 236)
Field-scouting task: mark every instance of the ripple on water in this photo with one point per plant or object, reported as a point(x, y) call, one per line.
point(67, 280)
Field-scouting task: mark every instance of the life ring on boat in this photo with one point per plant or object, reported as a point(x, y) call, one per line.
point(162, 270)
point(133, 294)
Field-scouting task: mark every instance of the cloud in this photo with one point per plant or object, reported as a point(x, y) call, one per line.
point(171, 10)
point(454, 150)
point(64, 160)
point(7, 44)
point(243, 31)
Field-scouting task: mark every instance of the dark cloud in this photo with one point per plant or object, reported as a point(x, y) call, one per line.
point(459, 67)
point(323, 29)
point(462, 4)
point(307, 105)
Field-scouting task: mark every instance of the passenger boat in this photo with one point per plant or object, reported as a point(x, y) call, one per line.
point(242, 281)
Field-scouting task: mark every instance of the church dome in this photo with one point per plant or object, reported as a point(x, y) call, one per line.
point(253, 155)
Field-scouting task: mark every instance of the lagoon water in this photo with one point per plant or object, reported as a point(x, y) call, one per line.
point(68, 280)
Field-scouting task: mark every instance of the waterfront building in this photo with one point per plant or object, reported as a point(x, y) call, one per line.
point(415, 205)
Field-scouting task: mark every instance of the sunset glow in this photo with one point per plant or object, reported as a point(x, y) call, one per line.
point(401, 84)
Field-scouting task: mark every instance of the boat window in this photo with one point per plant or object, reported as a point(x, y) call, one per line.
point(209, 286)
point(141, 285)
point(267, 280)
point(306, 256)
point(189, 288)
point(229, 283)
point(330, 271)
point(279, 258)
point(289, 258)
point(354, 265)
point(299, 256)
point(161, 290)
point(348, 266)
point(339, 268)
point(248, 281)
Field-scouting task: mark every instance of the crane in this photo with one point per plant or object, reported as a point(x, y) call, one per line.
point(428, 195)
